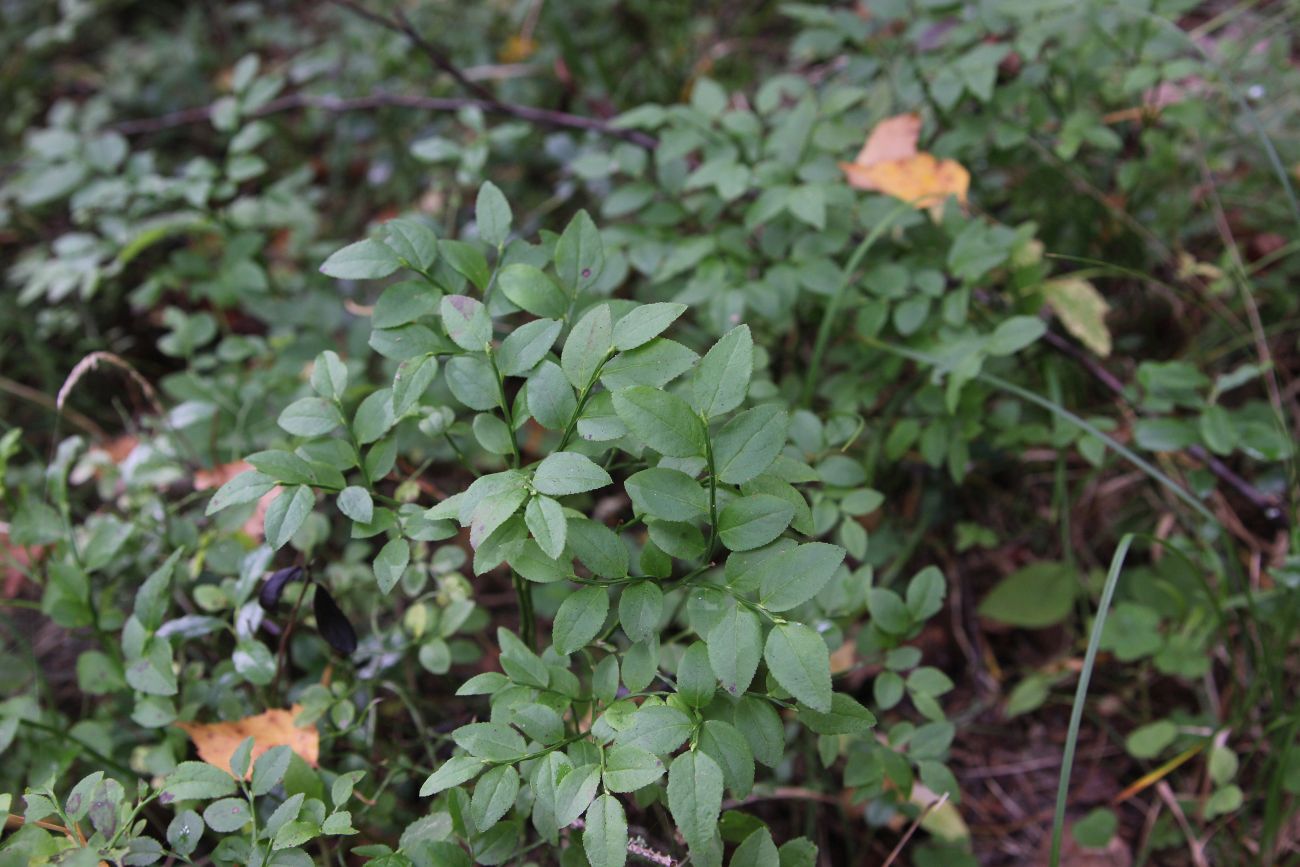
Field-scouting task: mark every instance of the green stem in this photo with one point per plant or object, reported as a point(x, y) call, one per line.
point(583, 397)
point(713, 492)
point(832, 310)
point(505, 407)
point(527, 617)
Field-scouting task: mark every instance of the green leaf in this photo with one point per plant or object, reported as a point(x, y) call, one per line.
point(1150, 740)
point(747, 445)
point(762, 727)
point(1164, 434)
point(666, 493)
point(243, 488)
point(575, 792)
point(587, 346)
point(197, 781)
point(270, 768)
point(888, 612)
point(494, 795)
point(1095, 830)
point(723, 742)
point(546, 521)
point(1217, 430)
point(656, 364)
point(494, 741)
point(493, 217)
point(467, 322)
point(472, 382)
point(798, 659)
point(695, 798)
point(286, 513)
point(227, 815)
point(391, 563)
point(661, 420)
point(735, 647)
point(492, 512)
point(355, 502)
point(598, 547)
point(550, 397)
point(696, 683)
point(1039, 595)
point(413, 242)
point(310, 417)
point(751, 522)
point(453, 772)
point(757, 850)
point(530, 289)
point(153, 673)
point(629, 768)
point(580, 254)
point(659, 729)
point(640, 608)
point(794, 576)
point(329, 375)
point(925, 594)
point(154, 595)
point(254, 662)
point(184, 832)
point(644, 324)
point(526, 346)
point(604, 840)
point(403, 303)
point(374, 416)
point(412, 380)
point(364, 260)
point(846, 717)
point(285, 467)
point(1014, 334)
point(722, 377)
point(467, 260)
point(564, 473)
point(579, 619)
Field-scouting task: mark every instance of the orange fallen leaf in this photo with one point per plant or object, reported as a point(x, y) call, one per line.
point(216, 742)
point(894, 138)
point(890, 163)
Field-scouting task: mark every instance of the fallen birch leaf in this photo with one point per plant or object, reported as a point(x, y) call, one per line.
point(216, 742)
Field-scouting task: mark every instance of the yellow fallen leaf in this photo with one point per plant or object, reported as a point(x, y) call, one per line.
point(1082, 310)
point(890, 163)
point(517, 49)
point(216, 742)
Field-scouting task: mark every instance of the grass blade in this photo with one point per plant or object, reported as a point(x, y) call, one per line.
point(1081, 695)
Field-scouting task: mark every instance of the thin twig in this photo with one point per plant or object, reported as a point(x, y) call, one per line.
point(435, 54)
point(1269, 506)
point(916, 823)
point(440, 59)
point(382, 99)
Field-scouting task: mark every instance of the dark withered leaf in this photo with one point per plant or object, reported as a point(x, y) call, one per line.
point(333, 624)
point(273, 589)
